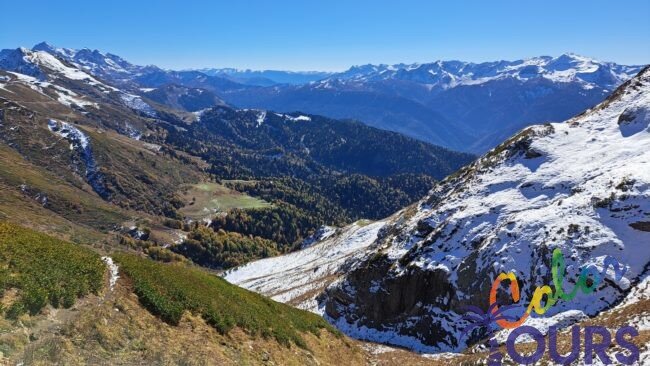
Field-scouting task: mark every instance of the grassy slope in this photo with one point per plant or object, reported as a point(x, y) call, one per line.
point(112, 327)
point(101, 335)
point(137, 176)
point(70, 212)
point(38, 164)
point(140, 178)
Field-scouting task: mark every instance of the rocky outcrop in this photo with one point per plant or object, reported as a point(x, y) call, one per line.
point(641, 226)
point(373, 297)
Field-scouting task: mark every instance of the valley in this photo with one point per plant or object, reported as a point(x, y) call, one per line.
point(223, 216)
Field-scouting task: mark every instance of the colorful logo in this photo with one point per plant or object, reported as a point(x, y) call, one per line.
point(545, 297)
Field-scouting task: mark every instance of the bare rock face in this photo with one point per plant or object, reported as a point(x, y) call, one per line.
point(634, 120)
point(641, 225)
point(392, 301)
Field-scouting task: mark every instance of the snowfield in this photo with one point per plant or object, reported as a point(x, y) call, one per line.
point(42, 58)
point(62, 95)
point(78, 140)
point(114, 272)
point(300, 276)
point(81, 147)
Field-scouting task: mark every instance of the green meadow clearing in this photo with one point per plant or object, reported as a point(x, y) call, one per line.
point(204, 199)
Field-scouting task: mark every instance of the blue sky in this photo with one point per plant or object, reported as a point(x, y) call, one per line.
point(332, 35)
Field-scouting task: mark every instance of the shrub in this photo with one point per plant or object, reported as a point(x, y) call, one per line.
point(45, 270)
point(168, 290)
point(221, 250)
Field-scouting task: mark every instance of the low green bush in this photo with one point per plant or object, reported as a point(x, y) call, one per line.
point(45, 270)
point(168, 290)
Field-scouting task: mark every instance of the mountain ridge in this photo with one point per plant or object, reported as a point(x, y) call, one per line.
point(506, 212)
point(448, 103)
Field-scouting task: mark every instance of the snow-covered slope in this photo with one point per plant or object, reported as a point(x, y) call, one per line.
point(41, 65)
point(582, 186)
point(104, 65)
point(50, 76)
point(299, 277)
point(56, 74)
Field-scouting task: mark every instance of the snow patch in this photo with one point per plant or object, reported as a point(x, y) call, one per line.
point(78, 140)
point(114, 271)
point(261, 117)
point(80, 144)
point(136, 103)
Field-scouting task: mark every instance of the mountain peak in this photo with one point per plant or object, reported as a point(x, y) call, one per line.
point(43, 46)
point(66, 53)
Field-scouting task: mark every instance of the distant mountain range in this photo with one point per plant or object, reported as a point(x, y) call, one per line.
point(267, 77)
point(460, 105)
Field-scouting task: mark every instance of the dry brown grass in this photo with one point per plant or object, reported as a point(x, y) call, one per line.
point(113, 329)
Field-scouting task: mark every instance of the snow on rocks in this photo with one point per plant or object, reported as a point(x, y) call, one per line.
point(543, 324)
point(321, 234)
point(199, 114)
point(29, 81)
point(62, 95)
point(298, 118)
point(77, 139)
point(288, 117)
point(639, 292)
point(130, 131)
point(261, 117)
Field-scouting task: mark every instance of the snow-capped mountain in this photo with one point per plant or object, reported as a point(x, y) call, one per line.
point(581, 186)
point(442, 75)
point(116, 71)
point(41, 65)
point(60, 81)
point(50, 76)
point(103, 65)
point(461, 105)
